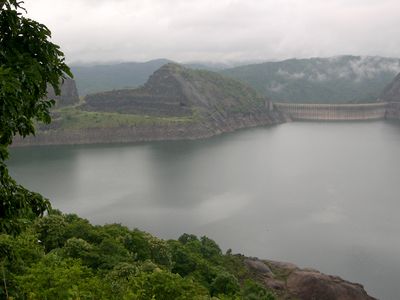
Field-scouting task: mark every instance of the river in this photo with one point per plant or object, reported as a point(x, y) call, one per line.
point(321, 195)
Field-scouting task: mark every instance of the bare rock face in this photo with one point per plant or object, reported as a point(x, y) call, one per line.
point(69, 93)
point(288, 281)
point(391, 93)
point(259, 266)
point(177, 91)
point(307, 284)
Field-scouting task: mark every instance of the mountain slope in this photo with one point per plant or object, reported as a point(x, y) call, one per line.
point(175, 103)
point(391, 93)
point(98, 78)
point(322, 80)
point(177, 91)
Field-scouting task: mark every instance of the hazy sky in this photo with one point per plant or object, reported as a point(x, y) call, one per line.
point(219, 30)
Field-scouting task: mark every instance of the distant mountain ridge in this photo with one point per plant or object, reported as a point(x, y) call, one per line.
point(99, 78)
point(340, 79)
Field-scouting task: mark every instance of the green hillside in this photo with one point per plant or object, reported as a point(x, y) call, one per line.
point(325, 80)
point(65, 257)
point(176, 91)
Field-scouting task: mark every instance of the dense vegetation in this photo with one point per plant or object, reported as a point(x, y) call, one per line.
point(320, 80)
point(62, 256)
point(29, 62)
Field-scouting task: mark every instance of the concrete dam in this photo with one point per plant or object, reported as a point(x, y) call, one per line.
point(338, 112)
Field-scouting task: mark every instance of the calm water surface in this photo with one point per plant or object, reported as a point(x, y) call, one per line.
point(322, 195)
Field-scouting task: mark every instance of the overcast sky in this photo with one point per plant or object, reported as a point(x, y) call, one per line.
point(219, 30)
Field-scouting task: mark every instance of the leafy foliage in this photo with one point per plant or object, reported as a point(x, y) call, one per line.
point(65, 257)
point(28, 63)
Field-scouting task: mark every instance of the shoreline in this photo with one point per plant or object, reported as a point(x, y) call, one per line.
point(148, 133)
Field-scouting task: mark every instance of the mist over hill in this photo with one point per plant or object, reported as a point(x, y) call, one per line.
point(99, 78)
point(96, 78)
point(338, 79)
point(323, 80)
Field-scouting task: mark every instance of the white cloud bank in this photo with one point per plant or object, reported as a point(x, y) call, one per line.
point(222, 30)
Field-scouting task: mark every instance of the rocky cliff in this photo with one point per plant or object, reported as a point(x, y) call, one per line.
point(177, 91)
point(175, 103)
point(69, 93)
point(288, 281)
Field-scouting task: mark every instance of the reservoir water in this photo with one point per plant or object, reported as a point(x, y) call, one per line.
point(321, 195)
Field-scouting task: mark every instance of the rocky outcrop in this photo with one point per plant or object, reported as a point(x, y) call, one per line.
point(69, 93)
point(289, 281)
point(176, 103)
point(177, 91)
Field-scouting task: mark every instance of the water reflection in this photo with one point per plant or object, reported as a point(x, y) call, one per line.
point(323, 195)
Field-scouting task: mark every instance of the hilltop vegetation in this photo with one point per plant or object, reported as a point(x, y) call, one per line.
point(175, 103)
point(65, 257)
point(173, 94)
point(177, 91)
point(321, 80)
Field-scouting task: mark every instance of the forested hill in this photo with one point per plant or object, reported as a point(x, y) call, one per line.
point(99, 78)
point(175, 103)
point(335, 79)
point(392, 91)
point(322, 80)
point(62, 256)
point(174, 90)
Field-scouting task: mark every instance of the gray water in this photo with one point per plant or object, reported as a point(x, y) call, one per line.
point(322, 195)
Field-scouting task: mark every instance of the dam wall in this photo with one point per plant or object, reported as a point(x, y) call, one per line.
point(393, 111)
point(334, 112)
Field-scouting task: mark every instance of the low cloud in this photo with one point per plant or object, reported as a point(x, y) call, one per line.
point(224, 30)
point(288, 75)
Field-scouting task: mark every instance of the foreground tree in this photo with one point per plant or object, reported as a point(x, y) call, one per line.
point(29, 62)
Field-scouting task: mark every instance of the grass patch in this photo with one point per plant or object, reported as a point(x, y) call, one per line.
point(74, 118)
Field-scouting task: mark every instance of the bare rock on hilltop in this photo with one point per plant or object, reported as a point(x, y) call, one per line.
point(311, 284)
point(289, 281)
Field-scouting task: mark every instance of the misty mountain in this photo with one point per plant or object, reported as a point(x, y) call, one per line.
point(99, 78)
point(331, 80)
point(105, 77)
point(174, 90)
point(391, 93)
